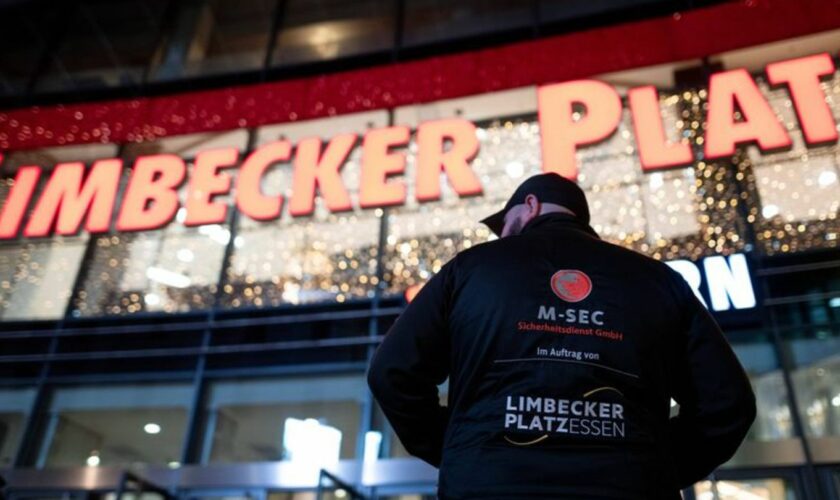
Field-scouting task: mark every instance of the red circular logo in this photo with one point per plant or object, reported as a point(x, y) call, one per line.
point(571, 285)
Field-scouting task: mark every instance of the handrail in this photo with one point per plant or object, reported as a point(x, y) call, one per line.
point(178, 324)
point(144, 486)
point(319, 493)
point(169, 352)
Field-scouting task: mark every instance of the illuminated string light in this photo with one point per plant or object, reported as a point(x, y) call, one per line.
point(790, 198)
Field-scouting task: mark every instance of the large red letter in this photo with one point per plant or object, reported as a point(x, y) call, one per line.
point(562, 134)
point(803, 78)
point(67, 199)
point(378, 163)
point(154, 179)
point(17, 201)
point(207, 182)
point(310, 170)
point(655, 152)
point(249, 197)
point(431, 158)
point(759, 123)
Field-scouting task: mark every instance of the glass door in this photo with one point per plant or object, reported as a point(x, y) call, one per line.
point(751, 485)
point(743, 489)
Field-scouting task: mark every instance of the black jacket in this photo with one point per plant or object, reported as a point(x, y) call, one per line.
point(563, 353)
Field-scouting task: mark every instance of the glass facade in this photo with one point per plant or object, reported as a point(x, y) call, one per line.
point(15, 405)
point(223, 344)
point(94, 45)
point(326, 30)
point(115, 425)
point(765, 489)
point(785, 202)
point(218, 36)
point(755, 351)
point(104, 44)
point(269, 419)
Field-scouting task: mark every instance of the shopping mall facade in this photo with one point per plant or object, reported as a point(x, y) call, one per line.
point(208, 224)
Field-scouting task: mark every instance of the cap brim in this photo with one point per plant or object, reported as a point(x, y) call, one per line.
point(495, 222)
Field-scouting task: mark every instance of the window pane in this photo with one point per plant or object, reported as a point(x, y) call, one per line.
point(37, 275)
point(323, 257)
point(836, 476)
point(816, 379)
point(218, 36)
point(756, 354)
point(428, 21)
point(108, 44)
point(175, 269)
point(757, 489)
point(327, 29)
point(282, 419)
point(24, 32)
point(798, 189)
point(14, 410)
point(117, 425)
point(660, 214)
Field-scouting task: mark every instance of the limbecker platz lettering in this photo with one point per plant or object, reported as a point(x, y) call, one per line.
point(73, 195)
point(564, 131)
point(738, 113)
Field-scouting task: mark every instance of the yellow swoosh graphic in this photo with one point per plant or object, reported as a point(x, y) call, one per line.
point(593, 391)
point(526, 443)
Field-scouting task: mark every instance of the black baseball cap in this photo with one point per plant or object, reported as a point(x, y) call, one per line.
point(549, 187)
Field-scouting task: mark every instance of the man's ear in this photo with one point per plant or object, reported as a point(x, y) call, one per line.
point(532, 204)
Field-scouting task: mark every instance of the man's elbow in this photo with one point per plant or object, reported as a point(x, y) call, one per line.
point(744, 415)
point(377, 380)
point(749, 412)
point(373, 379)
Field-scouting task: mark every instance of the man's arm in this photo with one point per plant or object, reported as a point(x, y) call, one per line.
point(411, 362)
point(717, 404)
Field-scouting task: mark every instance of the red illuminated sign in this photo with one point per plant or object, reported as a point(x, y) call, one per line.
point(571, 115)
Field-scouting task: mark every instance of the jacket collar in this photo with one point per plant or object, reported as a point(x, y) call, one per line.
point(557, 220)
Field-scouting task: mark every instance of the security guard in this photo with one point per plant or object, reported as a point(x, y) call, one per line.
point(563, 353)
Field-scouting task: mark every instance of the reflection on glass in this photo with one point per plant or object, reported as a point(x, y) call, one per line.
point(310, 442)
point(171, 270)
point(816, 381)
point(36, 277)
point(798, 189)
point(757, 356)
point(248, 433)
point(328, 29)
point(296, 260)
point(658, 213)
point(753, 489)
point(283, 419)
point(14, 408)
point(107, 44)
point(174, 269)
point(116, 425)
point(223, 36)
point(424, 236)
point(808, 314)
